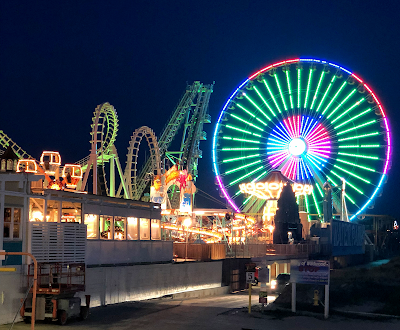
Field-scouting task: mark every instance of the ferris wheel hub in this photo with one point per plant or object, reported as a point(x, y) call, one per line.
point(297, 146)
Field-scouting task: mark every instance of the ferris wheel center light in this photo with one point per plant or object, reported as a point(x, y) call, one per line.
point(297, 146)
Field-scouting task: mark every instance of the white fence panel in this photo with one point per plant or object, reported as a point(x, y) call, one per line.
point(58, 242)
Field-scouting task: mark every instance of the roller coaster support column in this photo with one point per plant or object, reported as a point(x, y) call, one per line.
point(34, 280)
point(112, 177)
point(121, 174)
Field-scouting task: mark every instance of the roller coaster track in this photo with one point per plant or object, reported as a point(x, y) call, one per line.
point(191, 110)
point(5, 141)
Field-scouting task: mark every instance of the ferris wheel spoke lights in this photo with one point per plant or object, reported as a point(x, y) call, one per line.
point(313, 120)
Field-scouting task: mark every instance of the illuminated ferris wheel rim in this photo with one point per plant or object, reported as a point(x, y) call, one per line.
point(288, 62)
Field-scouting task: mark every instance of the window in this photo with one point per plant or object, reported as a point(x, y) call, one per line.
point(10, 165)
point(132, 228)
point(36, 209)
point(52, 211)
point(106, 229)
point(144, 229)
point(119, 228)
point(92, 223)
point(12, 223)
point(71, 212)
point(155, 229)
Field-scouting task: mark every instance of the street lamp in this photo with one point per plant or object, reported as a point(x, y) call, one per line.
point(187, 223)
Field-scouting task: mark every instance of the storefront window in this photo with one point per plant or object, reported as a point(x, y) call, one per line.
point(106, 230)
point(155, 229)
point(7, 222)
point(132, 228)
point(52, 214)
point(144, 229)
point(92, 223)
point(119, 228)
point(36, 209)
point(12, 221)
point(71, 212)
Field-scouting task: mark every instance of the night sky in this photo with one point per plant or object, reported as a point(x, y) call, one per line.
point(60, 59)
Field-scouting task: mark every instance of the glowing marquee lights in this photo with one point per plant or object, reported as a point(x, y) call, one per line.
point(272, 190)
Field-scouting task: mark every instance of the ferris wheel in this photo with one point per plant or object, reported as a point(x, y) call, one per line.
point(314, 121)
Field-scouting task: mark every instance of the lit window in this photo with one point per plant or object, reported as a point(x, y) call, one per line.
point(92, 223)
point(36, 207)
point(71, 212)
point(119, 228)
point(132, 228)
point(155, 229)
point(106, 230)
point(144, 229)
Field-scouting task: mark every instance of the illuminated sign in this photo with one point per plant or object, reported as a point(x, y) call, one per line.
point(272, 190)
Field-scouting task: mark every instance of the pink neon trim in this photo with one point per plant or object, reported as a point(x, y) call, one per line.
point(271, 66)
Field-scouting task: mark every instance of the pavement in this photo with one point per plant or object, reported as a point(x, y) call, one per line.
point(224, 311)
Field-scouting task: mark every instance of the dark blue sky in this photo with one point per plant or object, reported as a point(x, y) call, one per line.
point(59, 59)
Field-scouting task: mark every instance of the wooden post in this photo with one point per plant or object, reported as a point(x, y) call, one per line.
point(250, 285)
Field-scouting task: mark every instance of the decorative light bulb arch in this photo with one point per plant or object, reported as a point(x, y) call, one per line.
point(313, 120)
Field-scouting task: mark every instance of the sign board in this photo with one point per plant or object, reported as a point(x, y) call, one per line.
point(2, 257)
point(347, 238)
point(263, 275)
point(310, 272)
point(250, 276)
point(263, 297)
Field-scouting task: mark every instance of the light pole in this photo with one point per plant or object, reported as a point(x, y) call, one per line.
point(186, 223)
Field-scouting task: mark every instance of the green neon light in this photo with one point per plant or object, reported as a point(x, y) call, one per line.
point(245, 176)
point(280, 91)
point(298, 87)
point(289, 88)
point(316, 91)
point(263, 173)
point(246, 200)
point(319, 190)
point(242, 167)
point(359, 136)
point(334, 97)
point(340, 104)
point(351, 173)
point(247, 111)
point(258, 108)
point(245, 121)
point(244, 140)
point(356, 165)
point(353, 118)
point(237, 149)
point(265, 102)
point(272, 96)
point(326, 92)
point(349, 109)
point(316, 203)
point(373, 121)
point(307, 207)
point(358, 156)
point(347, 182)
point(238, 129)
point(237, 194)
point(308, 87)
point(239, 158)
point(257, 135)
point(361, 146)
point(298, 199)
